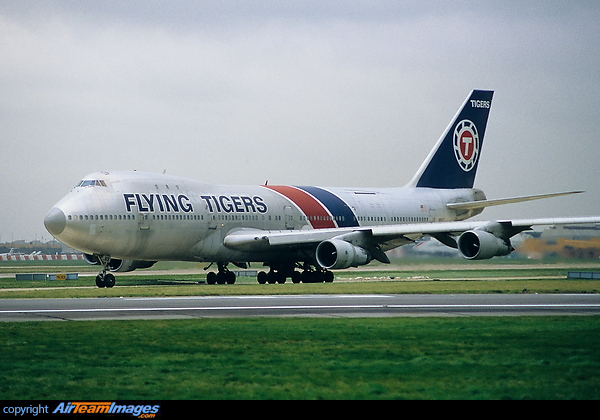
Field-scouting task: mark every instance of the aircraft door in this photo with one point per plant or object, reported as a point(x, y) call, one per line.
point(431, 213)
point(144, 221)
point(288, 214)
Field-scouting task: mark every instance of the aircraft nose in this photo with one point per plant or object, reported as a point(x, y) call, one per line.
point(55, 221)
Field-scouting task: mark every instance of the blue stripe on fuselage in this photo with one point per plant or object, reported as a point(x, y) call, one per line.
point(343, 214)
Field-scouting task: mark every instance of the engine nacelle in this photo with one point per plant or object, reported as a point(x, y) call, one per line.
point(482, 245)
point(339, 254)
point(116, 265)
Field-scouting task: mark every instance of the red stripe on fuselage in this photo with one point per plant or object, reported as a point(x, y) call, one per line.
point(315, 212)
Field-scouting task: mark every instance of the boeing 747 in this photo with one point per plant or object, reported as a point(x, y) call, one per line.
point(129, 220)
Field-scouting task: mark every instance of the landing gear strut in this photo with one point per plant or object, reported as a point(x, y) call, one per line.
point(105, 279)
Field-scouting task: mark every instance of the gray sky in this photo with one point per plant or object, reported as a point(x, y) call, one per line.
point(334, 93)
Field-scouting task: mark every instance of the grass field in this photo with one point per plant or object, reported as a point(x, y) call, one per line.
point(399, 358)
point(421, 276)
point(306, 358)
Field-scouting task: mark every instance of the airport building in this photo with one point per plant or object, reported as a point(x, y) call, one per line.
point(567, 241)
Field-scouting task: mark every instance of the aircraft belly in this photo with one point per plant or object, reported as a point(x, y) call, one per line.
point(160, 244)
point(131, 242)
point(212, 249)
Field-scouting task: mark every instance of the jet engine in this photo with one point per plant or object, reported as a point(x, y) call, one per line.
point(338, 254)
point(482, 245)
point(117, 265)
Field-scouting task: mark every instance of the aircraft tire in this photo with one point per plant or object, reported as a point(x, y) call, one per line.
point(100, 281)
point(211, 278)
point(229, 277)
point(221, 278)
point(272, 277)
point(309, 277)
point(296, 277)
point(262, 277)
point(109, 280)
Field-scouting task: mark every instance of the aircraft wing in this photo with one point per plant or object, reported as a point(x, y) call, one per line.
point(378, 239)
point(511, 227)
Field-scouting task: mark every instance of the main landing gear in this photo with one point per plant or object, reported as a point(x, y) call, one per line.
point(278, 273)
point(307, 276)
point(223, 276)
point(104, 278)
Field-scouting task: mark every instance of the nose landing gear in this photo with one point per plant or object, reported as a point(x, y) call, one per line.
point(104, 278)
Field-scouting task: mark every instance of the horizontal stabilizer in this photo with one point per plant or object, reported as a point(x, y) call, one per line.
point(489, 203)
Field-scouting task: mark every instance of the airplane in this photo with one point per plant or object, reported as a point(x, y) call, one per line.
point(127, 220)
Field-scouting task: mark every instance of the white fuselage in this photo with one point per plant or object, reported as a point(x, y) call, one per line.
point(143, 216)
point(129, 220)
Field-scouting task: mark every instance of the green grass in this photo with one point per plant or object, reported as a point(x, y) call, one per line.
point(424, 278)
point(306, 358)
point(300, 358)
point(377, 287)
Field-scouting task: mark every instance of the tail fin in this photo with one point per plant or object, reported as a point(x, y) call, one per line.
point(453, 161)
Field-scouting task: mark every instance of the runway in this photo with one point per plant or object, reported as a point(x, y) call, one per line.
point(297, 306)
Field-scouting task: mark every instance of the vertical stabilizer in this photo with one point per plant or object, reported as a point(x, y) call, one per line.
point(453, 161)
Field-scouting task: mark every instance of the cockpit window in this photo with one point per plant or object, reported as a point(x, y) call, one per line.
point(92, 183)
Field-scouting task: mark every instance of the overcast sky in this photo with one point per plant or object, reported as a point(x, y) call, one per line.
point(329, 93)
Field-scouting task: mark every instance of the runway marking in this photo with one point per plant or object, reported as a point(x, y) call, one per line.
point(304, 307)
point(259, 297)
point(199, 308)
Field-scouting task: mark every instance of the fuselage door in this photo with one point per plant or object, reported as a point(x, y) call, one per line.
point(144, 221)
point(429, 212)
point(288, 213)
